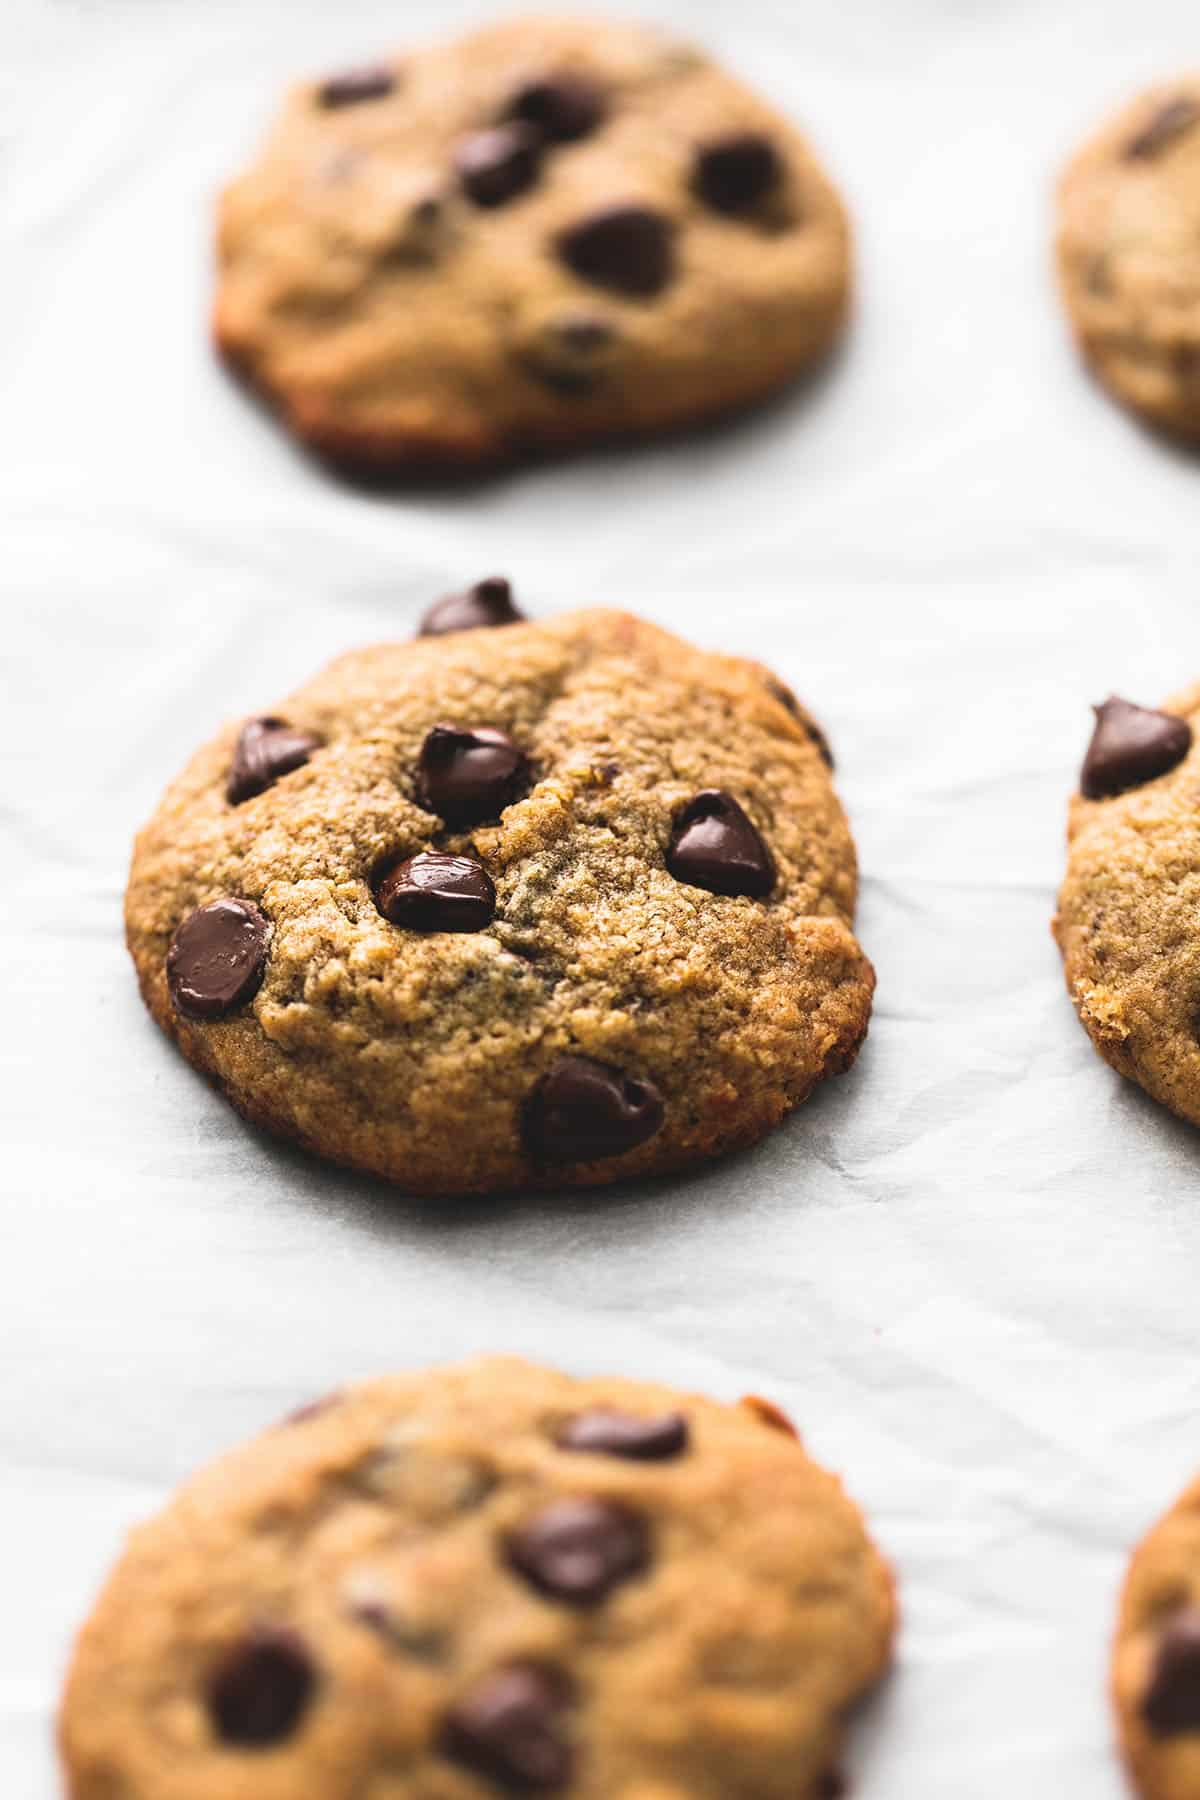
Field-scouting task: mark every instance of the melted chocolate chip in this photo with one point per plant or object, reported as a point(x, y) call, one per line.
point(579, 1550)
point(583, 1110)
point(832, 1785)
point(1131, 745)
point(437, 892)
point(604, 1431)
point(564, 108)
point(266, 749)
point(630, 249)
point(1171, 1703)
point(770, 1414)
point(507, 1728)
point(714, 846)
point(495, 166)
point(261, 1689)
point(468, 776)
point(735, 174)
point(810, 728)
point(217, 959)
point(569, 354)
point(487, 604)
point(355, 85)
point(1170, 122)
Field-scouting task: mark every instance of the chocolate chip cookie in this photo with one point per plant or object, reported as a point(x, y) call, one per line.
point(487, 1580)
point(1127, 911)
point(549, 232)
point(1156, 1657)
point(517, 905)
point(1129, 255)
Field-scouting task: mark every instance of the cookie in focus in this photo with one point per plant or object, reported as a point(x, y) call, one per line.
point(489, 1579)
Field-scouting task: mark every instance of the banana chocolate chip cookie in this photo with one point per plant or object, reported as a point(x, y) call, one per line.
point(1156, 1657)
point(1129, 255)
point(487, 1580)
point(548, 232)
point(533, 904)
point(1126, 920)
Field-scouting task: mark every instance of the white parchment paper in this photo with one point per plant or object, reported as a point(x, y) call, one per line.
point(971, 1268)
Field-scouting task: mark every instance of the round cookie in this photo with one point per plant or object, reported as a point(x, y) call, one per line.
point(1127, 908)
point(1156, 1657)
point(490, 1579)
point(538, 905)
point(549, 232)
point(1129, 255)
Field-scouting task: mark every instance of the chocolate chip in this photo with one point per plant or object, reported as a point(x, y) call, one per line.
point(261, 1689)
point(1131, 745)
point(583, 1110)
point(832, 1785)
point(568, 353)
point(1170, 122)
point(771, 1415)
point(809, 726)
point(627, 248)
point(437, 892)
point(217, 959)
point(265, 750)
point(354, 85)
point(469, 776)
point(564, 108)
point(507, 1728)
point(495, 166)
point(579, 1550)
point(487, 604)
point(735, 174)
point(714, 846)
point(1171, 1703)
point(603, 1431)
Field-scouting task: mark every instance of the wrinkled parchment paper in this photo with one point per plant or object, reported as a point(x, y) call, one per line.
point(970, 1269)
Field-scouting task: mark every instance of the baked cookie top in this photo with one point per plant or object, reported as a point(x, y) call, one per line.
point(538, 905)
point(487, 1579)
point(1127, 909)
point(550, 231)
point(1129, 254)
point(1156, 1657)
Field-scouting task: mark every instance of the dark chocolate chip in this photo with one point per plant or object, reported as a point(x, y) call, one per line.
point(1171, 1703)
point(630, 249)
point(579, 1550)
point(569, 354)
point(735, 174)
point(832, 1785)
point(495, 166)
point(437, 892)
point(582, 1110)
point(217, 959)
point(809, 726)
point(468, 776)
point(1169, 122)
point(714, 846)
point(564, 108)
point(771, 1415)
point(1131, 745)
point(261, 1689)
point(487, 604)
point(508, 1729)
point(265, 750)
point(354, 85)
point(604, 1431)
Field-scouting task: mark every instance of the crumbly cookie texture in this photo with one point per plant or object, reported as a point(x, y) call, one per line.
point(1129, 255)
point(1156, 1657)
point(548, 232)
point(487, 1579)
point(541, 904)
point(1127, 908)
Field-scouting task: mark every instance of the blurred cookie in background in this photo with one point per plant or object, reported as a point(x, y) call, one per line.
point(1156, 1657)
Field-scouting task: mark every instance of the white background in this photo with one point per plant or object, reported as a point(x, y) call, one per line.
point(970, 1268)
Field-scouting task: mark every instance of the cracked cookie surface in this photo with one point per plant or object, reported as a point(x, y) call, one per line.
point(548, 232)
point(1156, 1657)
point(545, 904)
point(484, 1580)
point(1126, 920)
point(1129, 255)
